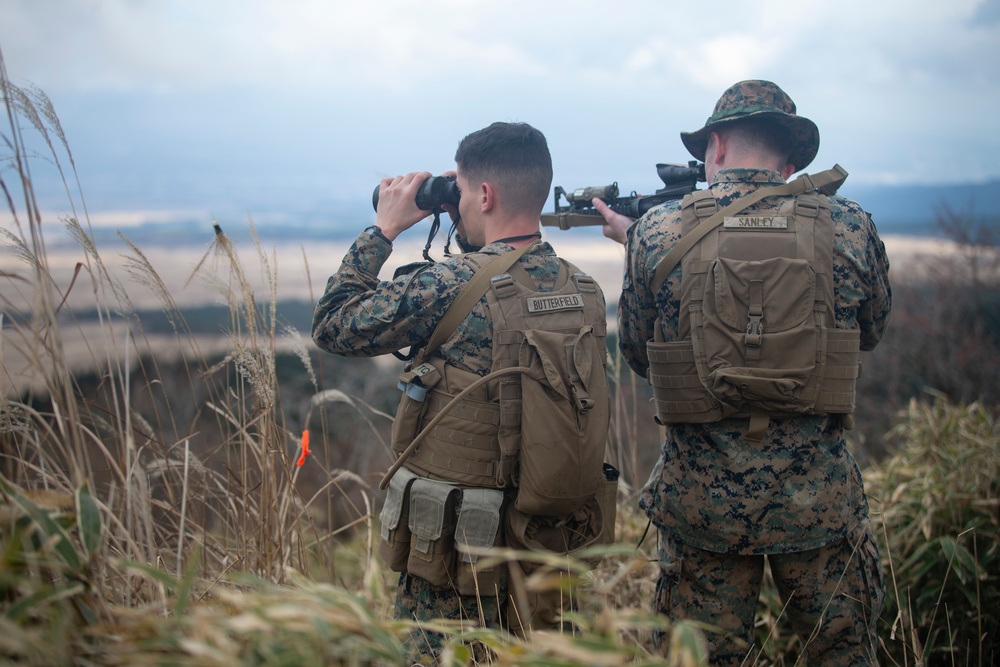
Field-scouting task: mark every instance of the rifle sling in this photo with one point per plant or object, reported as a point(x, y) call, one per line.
point(826, 182)
point(470, 295)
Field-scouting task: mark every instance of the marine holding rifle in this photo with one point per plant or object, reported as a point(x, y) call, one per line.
point(746, 305)
point(502, 423)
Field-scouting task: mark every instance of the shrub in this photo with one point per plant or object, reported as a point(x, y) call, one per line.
point(936, 507)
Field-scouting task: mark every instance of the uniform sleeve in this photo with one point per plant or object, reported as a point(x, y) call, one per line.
point(873, 316)
point(637, 307)
point(361, 316)
point(861, 272)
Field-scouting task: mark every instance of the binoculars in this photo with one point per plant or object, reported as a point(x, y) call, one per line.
point(433, 193)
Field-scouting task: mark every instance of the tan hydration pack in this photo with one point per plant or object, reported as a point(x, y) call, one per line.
point(757, 331)
point(539, 419)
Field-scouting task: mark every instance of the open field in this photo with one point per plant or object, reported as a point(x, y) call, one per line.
point(247, 466)
point(304, 269)
point(301, 272)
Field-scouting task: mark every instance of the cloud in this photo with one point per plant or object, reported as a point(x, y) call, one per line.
point(359, 44)
point(899, 88)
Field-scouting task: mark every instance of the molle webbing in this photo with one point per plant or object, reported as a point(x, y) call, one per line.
point(421, 375)
point(477, 441)
point(464, 447)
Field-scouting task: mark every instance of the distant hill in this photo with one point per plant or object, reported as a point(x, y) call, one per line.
point(904, 209)
point(910, 209)
point(201, 232)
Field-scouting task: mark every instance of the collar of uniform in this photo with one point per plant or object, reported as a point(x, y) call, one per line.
point(756, 176)
point(498, 248)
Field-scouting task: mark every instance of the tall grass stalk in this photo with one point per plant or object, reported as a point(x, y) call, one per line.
point(203, 536)
point(939, 501)
point(238, 496)
point(147, 520)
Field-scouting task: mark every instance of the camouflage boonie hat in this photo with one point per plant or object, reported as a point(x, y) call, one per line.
point(754, 98)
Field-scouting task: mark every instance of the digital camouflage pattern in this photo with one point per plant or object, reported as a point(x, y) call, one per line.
point(418, 600)
point(834, 594)
point(721, 504)
point(800, 488)
point(361, 316)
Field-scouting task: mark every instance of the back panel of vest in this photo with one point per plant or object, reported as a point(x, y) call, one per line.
point(556, 413)
point(757, 304)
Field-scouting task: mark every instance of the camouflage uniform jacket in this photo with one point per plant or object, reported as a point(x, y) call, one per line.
point(361, 316)
point(800, 488)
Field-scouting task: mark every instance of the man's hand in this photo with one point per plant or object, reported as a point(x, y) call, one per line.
point(615, 224)
point(397, 203)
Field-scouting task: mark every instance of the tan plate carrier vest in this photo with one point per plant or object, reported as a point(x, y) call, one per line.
point(479, 441)
point(758, 336)
point(529, 437)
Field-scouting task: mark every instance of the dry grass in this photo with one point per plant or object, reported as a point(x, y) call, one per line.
point(149, 519)
point(124, 543)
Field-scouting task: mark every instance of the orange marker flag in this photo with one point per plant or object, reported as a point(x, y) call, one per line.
point(305, 449)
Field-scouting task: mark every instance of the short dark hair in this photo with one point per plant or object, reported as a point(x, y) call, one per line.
point(515, 156)
point(768, 134)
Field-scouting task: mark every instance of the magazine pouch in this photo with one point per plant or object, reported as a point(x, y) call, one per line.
point(478, 528)
point(394, 547)
point(433, 513)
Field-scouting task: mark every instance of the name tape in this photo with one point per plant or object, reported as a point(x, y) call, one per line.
point(545, 304)
point(756, 222)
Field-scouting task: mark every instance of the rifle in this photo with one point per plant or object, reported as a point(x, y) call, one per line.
point(678, 180)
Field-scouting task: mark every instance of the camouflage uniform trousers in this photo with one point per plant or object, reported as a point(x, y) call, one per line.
point(419, 600)
point(833, 594)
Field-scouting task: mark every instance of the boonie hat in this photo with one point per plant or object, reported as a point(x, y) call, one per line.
point(755, 98)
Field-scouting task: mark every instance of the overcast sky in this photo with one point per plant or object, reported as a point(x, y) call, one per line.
point(259, 104)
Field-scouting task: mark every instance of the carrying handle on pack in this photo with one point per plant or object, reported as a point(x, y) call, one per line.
point(470, 295)
point(826, 182)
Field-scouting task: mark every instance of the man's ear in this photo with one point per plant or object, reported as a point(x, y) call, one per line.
point(489, 197)
point(720, 147)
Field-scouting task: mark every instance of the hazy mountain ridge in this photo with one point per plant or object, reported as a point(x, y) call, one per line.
point(913, 209)
point(906, 209)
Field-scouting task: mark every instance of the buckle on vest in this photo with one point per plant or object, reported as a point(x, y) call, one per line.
point(704, 208)
point(808, 181)
point(585, 283)
point(755, 329)
point(503, 285)
point(806, 206)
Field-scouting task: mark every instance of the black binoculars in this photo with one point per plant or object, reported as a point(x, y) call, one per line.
point(433, 193)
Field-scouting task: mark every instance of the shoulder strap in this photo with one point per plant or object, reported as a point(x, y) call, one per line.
point(826, 182)
point(470, 295)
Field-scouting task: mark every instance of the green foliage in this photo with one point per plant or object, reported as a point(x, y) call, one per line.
point(47, 548)
point(89, 520)
point(198, 487)
point(936, 506)
point(936, 511)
